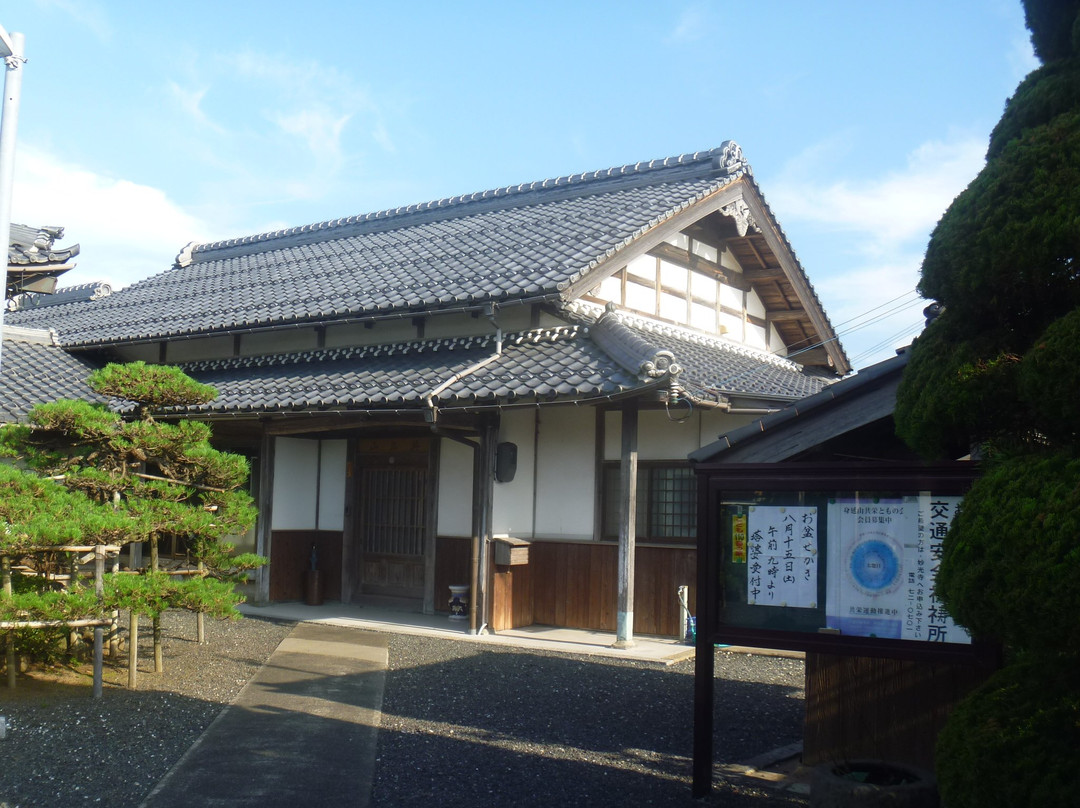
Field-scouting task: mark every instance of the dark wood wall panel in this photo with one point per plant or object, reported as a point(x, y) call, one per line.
point(891, 709)
point(576, 585)
point(658, 574)
point(290, 553)
point(452, 566)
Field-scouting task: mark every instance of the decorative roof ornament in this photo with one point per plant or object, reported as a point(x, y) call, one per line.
point(744, 219)
point(731, 159)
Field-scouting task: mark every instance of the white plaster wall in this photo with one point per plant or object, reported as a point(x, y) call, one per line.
point(382, 332)
point(295, 478)
point(755, 336)
point(456, 325)
point(660, 440)
point(455, 489)
point(566, 473)
point(266, 342)
point(512, 509)
point(187, 350)
point(332, 485)
point(775, 343)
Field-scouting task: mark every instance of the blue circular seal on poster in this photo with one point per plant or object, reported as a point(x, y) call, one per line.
point(874, 566)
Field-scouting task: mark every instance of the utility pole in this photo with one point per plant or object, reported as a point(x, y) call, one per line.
point(11, 51)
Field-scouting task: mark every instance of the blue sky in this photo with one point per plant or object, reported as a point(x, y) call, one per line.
point(144, 126)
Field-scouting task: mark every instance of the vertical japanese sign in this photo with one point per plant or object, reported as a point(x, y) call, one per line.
point(738, 539)
point(883, 555)
point(781, 547)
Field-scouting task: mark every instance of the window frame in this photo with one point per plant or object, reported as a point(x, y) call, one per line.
point(648, 502)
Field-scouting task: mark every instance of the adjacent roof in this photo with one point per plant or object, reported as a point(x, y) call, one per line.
point(843, 407)
point(34, 260)
point(35, 370)
point(549, 240)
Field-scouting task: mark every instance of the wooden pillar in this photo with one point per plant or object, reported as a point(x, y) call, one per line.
point(431, 518)
point(262, 530)
point(624, 618)
point(349, 556)
point(483, 491)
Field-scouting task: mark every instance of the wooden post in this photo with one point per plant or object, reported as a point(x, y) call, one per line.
point(99, 590)
point(200, 618)
point(5, 571)
point(264, 523)
point(624, 619)
point(159, 662)
point(133, 650)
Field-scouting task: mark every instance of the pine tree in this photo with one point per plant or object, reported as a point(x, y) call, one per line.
point(158, 477)
point(997, 373)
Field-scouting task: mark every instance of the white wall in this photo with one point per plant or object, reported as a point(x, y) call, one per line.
point(295, 481)
point(661, 439)
point(332, 485)
point(309, 489)
point(455, 489)
point(566, 473)
point(512, 509)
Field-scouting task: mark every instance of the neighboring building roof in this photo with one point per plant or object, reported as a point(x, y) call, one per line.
point(35, 370)
point(82, 293)
point(549, 240)
point(34, 260)
point(844, 407)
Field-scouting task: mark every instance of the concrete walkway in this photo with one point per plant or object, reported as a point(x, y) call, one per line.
point(303, 731)
point(664, 650)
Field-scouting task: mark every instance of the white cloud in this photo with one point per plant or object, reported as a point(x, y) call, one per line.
point(877, 231)
point(190, 102)
point(690, 26)
point(126, 231)
point(321, 129)
point(886, 213)
point(89, 14)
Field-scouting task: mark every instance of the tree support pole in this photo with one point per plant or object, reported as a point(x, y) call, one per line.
point(5, 571)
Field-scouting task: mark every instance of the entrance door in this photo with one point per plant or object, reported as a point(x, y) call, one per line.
point(393, 518)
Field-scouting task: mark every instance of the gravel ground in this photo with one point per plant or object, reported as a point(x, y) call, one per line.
point(491, 725)
point(462, 721)
point(64, 748)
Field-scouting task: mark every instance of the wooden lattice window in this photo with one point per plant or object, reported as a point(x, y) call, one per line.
point(666, 502)
point(392, 515)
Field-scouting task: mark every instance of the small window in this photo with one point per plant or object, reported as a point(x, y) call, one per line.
point(666, 502)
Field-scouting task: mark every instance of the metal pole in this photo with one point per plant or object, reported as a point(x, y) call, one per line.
point(11, 48)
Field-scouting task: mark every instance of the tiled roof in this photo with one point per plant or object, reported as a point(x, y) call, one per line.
point(520, 242)
point(34, 370)
point(564, 363)
point(713, 367)
point(883, 376)
point(535, 366)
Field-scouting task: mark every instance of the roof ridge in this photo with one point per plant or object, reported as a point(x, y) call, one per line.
point(530, 336)
point(727, 158)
